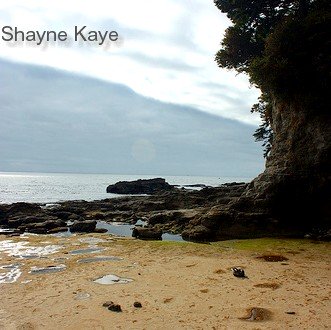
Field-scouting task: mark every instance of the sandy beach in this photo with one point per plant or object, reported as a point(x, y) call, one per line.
point(180, 285)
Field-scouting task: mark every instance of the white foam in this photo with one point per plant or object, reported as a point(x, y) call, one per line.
point(11, 276)
point(24, 250)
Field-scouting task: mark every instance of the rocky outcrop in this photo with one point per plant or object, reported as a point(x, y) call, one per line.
point(87, 226)
point(147, 233)
point(169, 211)
point(44, 227)
point(149, 186)
point(198, 234)
point(290, 198)
point(293, 195)
point(296, 184)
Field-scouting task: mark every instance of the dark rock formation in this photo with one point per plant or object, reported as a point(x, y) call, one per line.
point(57, 230)
point(147, 233)
point(149, 186)
point(198, 233)
point(296, 184)
point(23, 208)
point(87, 226)
point(3, 216)
point(292, 196)
point(44, 227)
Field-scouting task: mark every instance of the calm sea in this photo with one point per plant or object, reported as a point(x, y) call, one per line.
point(55, 187)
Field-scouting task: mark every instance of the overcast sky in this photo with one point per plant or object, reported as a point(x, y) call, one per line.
point(154, 100)
point(166, 49)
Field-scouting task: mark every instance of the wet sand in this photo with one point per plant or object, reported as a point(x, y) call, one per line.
point(180, 285)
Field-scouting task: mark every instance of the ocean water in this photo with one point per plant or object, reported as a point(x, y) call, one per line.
point(55, 187)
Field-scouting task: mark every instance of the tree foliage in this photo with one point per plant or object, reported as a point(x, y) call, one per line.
point(284, 47)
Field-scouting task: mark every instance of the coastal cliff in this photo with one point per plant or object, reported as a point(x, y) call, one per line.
point(293, 195)
point(297, 181)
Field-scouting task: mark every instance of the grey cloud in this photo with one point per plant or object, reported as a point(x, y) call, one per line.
point(222, 91)
point(164, 63)
point(181, 35)
point(57, 121)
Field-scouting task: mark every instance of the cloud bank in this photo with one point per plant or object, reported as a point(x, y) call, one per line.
point(55, 121)
point(166, 49)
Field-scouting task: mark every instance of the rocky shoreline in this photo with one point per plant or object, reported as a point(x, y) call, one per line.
point(209, 214)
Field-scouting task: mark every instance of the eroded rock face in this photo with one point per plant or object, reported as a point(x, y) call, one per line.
point(296, 184)
point(149, 186)
point(292, 196)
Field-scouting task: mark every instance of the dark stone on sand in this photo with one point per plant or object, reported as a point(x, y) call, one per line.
point(238, 272)
point(137, 304)
point(87, 226)
point(115, 308)
point(108, 303)
point(112, 306)
point(149, 186)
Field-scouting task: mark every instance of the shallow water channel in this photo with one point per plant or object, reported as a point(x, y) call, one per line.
point(124, 229)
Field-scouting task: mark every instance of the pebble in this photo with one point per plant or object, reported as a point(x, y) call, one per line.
point(112, 306)
point(115, 308)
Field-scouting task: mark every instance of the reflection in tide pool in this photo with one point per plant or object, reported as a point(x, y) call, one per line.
point(49, 269)
point(124, 229)
point(87, 250)
point(116, 228)
point(99, 259)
